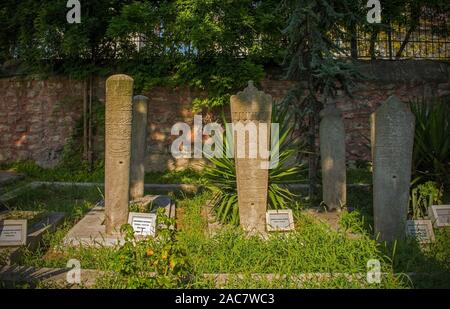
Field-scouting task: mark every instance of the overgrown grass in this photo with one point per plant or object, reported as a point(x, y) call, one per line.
point(81, 173)
point(84, 174)
point(312, 248)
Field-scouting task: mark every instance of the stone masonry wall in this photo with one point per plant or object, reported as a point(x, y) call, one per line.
point(38, 117)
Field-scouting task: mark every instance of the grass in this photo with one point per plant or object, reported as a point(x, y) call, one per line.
point(189, 176)
point(312, 248)
point(34, 172)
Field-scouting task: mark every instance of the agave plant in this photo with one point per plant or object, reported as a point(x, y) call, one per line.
point(431, 155)
point(221, 174)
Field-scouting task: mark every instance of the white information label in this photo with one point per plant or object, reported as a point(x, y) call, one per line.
point(144, 224)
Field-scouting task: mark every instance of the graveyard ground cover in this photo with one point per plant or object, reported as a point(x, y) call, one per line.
point(33, 172)
point(312, 248)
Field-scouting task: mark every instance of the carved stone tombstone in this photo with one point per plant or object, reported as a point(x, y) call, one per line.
point(118, 119)
point(393, 139)
point(138, 146)
point(249, 109)
point(332, 151)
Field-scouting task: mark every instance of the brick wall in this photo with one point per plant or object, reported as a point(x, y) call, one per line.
point(38, 117)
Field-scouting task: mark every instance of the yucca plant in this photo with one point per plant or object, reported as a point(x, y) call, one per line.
point(431, 155)
point(221, 174)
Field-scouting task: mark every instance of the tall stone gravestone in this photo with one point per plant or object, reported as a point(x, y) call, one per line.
point(393, 139)
point(332, 151)
point(118, 120)
point(251, 107)
point(138, 146)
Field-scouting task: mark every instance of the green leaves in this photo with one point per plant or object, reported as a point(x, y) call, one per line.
point(431, 155)
point(221, 175)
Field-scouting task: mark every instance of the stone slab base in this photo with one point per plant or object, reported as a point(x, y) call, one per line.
point(7, 177)
point(47, 224)
point(90, 231)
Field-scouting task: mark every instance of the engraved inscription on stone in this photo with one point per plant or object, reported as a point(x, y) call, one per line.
point(279, 220)
point(144, 224)
point(393, 138)
point(332, 150)
point(13, 233)
point(422, 230)
point(253, 106)
point(118, 119)
point(440, 215)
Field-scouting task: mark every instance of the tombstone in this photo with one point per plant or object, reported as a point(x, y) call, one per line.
point(421, 230)
point(393, 139)
point(118, 119)
point(251, 107)
point(439, 215)
point(138, 146)
point(332, 151)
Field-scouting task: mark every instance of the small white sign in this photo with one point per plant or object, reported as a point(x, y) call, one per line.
point(279, 220)
point(422, 230)
point(144, 224)
point(13, 233)
point(440, 215)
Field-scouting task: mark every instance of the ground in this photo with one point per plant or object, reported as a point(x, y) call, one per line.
point(337, 246)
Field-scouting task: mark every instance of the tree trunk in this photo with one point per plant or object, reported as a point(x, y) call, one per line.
point(312, 158)
point(85, 120)
point(90, 150)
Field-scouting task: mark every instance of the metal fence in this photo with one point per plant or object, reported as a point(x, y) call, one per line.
point(428, 38)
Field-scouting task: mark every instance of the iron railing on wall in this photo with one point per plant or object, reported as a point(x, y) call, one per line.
point(426, 37)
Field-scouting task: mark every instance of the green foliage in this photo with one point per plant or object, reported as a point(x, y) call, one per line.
point(423, 196)
point(431, 154)
point(152, 262)
point(312, 248)
point(317, 61)
point(221, 175)
point(211, 45)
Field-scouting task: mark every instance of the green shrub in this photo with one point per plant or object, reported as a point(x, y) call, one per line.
point(153, 262)
point(423, 196)
point(431, 155)
point(221, 176)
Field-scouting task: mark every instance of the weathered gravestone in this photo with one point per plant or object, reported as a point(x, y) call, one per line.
point(439, 215)
point(332, 151)
point(250, 108)
point(138, 146)
point(118, 119)
point(393, 139)
point(421, 230)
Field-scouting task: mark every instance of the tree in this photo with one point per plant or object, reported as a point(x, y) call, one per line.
point(314, 29)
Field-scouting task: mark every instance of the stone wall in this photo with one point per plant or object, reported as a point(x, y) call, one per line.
point(38, 117)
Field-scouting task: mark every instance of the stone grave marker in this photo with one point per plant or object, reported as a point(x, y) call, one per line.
point(439, 215)
point(422, 230)
point(332, 151)
point(393, 139)
point(251, 107)
point(118, 120)
point(138, 146)
point(280, 220)
point(13, 233)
